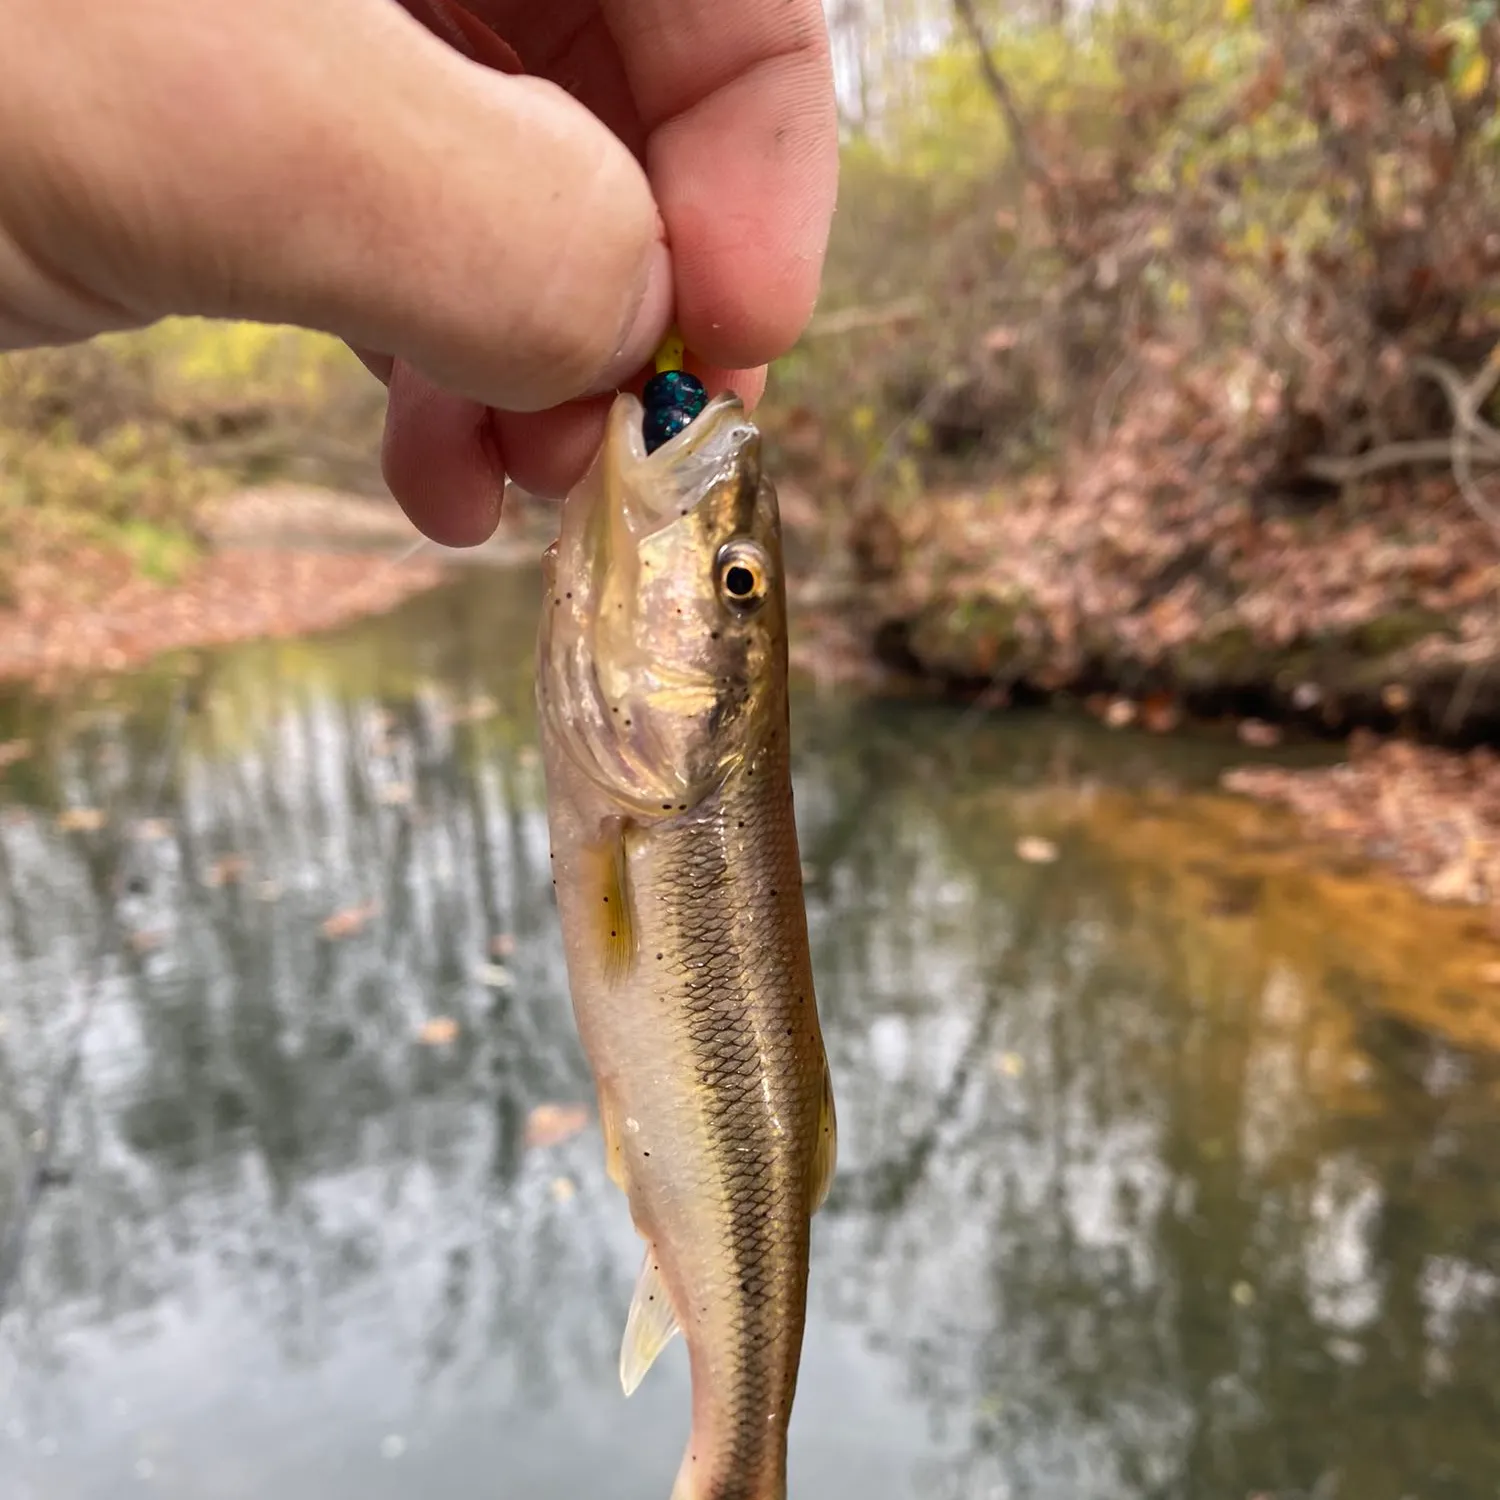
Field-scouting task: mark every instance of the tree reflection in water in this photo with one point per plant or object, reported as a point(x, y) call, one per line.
point(1123, 1210)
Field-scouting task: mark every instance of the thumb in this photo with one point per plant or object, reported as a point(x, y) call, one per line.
point(334, 166)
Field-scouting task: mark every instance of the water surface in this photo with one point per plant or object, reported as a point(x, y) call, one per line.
point(1139, 1196)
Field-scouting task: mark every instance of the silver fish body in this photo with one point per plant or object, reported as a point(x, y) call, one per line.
point(662, 690)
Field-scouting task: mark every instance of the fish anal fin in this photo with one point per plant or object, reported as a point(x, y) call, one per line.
point(649, 1327)
point(612, 902)
point(826, 1150)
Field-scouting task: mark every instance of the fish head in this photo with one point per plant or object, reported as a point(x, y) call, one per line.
point(662, 664)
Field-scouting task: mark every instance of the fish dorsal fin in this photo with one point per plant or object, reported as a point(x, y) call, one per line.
point(826, 1151)
point(650, 1326)
point(612, 902)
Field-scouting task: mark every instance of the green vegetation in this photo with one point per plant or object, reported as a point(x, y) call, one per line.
point(1295, 203)
point(115, 444)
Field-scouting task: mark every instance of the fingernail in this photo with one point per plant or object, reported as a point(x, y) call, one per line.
point(653, 315)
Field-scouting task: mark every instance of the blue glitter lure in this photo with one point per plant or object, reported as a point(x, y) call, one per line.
point(672, 397)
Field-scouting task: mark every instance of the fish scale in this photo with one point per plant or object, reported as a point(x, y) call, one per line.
point(732, 1004)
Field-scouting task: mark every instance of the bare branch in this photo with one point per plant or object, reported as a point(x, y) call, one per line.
point(1467, 397)
point(1378, 460)
point(1031, 158)
point(1470, 430)
point(856, 319)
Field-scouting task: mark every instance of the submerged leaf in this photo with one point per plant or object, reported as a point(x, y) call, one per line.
point(346, 923)
point(550, 1124)
point(81, 820)
point(226, 870)
point(1036, 851)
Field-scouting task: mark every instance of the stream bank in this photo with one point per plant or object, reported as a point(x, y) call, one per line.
point(274, 561)
point(1304, 620)
point(1371, 622)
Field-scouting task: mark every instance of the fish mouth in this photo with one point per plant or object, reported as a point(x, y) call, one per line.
point(630, 498)
point(652, 491)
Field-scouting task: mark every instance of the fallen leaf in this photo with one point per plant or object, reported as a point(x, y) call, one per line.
point(394, 794)
point(152, 830)
point(225, 870)
point(1036, 851)
point(564, 1189)
point(13, 750)
point(1453, 883)
point(1490, 973)
point(1160, 714)
point(437, 1031)
point(1395, 697)
point(346, 923)
point(550, 1124)
point(146, 941)
point(1120, 712)
point(1012, 1064)
point(81, 820)
point(502, 945)
point(1258, 733)
point(495, 976)
point(477, 709)
point(1471, 77)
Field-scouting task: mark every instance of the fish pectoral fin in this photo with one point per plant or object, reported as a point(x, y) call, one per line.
point(608, 867)
point(650, 1325)
point(826, 1151)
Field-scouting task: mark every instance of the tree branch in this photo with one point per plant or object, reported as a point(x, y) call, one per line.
point(854, 319)
point(1025, 147)
point(1378, 460)
point(1470, 431)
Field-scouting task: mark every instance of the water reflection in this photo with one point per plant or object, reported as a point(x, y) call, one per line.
point(1129, 1206)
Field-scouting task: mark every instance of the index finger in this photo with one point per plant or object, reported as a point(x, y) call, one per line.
point(742, 152)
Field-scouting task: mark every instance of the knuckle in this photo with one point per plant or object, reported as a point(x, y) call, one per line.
point(591, 276)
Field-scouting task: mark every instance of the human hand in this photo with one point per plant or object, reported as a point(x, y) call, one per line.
point(503, 251)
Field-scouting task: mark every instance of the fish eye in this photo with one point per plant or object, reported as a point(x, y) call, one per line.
point(742, 574)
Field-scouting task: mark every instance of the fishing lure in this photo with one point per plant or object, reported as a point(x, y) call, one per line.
point(672, 397)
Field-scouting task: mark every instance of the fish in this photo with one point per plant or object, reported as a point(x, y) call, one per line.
point(665, 732)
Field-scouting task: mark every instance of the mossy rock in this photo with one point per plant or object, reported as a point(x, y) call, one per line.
point(1231, 657)
point(976, 636)
point(1396, 630)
